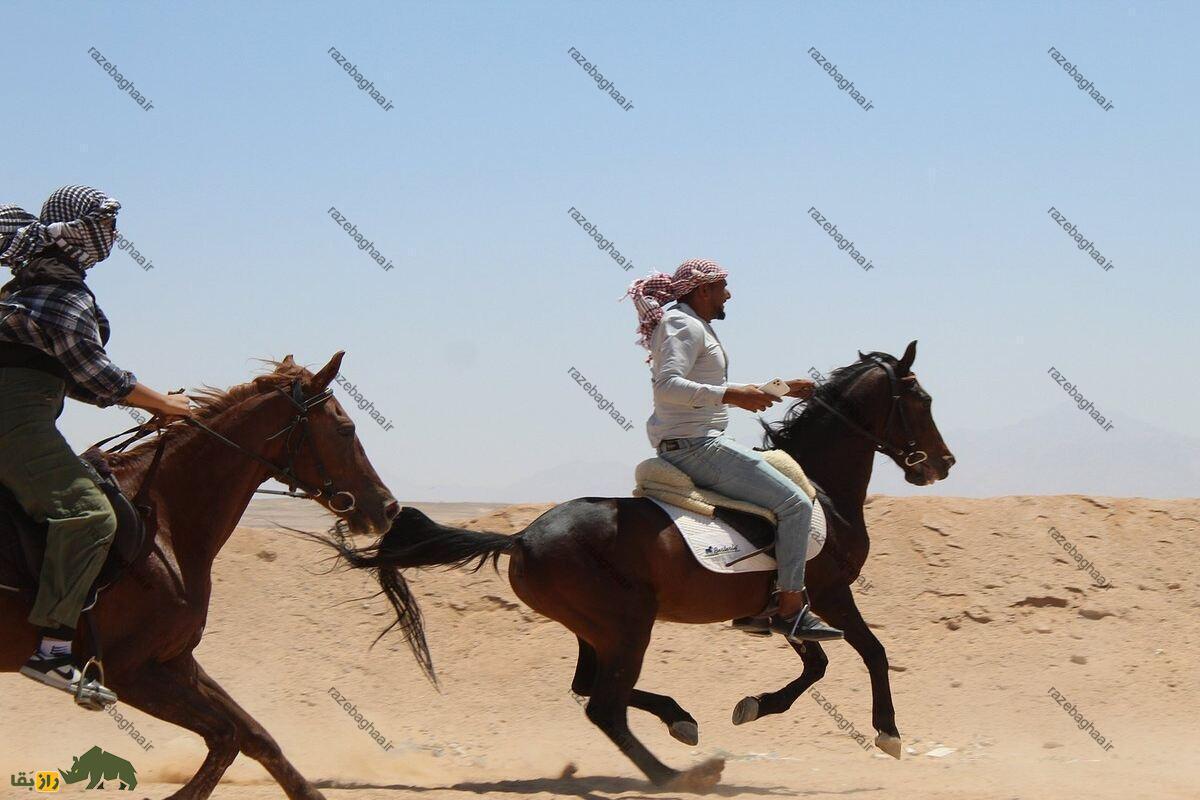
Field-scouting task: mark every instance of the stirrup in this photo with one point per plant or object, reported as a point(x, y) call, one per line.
point(93, 695)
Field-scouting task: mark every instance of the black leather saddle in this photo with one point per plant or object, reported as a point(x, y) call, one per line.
point(23, 541)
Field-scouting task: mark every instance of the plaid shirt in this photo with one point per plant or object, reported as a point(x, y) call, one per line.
point(65, 322)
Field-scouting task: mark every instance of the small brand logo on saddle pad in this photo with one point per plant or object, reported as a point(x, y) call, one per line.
point(715, 543)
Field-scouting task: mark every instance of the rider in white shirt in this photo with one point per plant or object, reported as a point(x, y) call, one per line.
point(691, 392)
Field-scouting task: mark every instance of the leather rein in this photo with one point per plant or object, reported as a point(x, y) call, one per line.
point(910, 453)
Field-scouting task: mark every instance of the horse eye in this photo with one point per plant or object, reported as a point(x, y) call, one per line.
point(346, 429)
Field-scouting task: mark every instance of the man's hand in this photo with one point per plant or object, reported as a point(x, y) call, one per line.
point(174, 406)
point(750, 398)
point(801, 388)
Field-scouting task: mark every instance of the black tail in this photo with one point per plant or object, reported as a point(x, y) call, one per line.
point(414, 540)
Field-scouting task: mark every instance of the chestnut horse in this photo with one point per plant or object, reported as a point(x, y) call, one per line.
point(151, 619)
point(607, 568)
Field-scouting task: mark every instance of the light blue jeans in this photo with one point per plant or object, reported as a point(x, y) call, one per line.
point(722, 465)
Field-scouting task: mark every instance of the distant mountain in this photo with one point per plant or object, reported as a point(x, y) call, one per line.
point(1062, 452)
point(1059, 452)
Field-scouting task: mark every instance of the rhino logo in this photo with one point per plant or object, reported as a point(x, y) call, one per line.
point(98, 766)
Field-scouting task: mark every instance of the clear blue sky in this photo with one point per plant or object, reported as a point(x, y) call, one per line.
point(735, 132)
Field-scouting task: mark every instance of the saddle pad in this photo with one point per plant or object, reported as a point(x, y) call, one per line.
point(715, 543)
point(658, 478)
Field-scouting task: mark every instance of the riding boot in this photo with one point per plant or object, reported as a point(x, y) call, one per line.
point(803, 626)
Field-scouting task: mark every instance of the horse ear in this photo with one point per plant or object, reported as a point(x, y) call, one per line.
point(288, 361)
point(910, 355)
point(323, 378)
point(860, 355)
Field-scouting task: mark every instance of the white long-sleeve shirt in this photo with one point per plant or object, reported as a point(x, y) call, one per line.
point(690, 373)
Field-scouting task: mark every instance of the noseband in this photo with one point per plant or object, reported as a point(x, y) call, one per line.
point(910, 454)
point(296, 433)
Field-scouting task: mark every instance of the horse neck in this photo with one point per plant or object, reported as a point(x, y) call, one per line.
point(202, 486)
point(837, 460)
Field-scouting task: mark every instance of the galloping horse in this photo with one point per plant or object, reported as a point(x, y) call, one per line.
point(607, 568)
point(151, 620)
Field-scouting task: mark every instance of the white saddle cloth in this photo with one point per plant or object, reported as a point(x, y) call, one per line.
point(714, 543)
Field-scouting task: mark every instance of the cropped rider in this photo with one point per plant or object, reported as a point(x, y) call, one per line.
point(691, 390)
point(52, 338)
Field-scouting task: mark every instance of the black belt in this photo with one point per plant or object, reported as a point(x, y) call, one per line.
point(24, 356)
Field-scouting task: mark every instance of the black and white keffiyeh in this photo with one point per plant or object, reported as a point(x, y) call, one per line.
point(80, 220)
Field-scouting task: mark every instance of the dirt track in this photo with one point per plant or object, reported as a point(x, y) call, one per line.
point(980, 608)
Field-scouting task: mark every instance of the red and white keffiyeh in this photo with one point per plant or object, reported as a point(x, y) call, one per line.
point(651, 293)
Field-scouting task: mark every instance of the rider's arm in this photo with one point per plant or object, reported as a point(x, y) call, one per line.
point(99, 381)
point(674, 356)
point(168, 405)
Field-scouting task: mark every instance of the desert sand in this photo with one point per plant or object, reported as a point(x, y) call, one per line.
point(981, 610)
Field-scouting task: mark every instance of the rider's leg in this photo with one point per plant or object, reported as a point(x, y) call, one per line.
point(734, 470)
point(42, 471)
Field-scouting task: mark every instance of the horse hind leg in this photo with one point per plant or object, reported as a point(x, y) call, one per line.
point(680, 724)
point(753, 707)
point(618, 664)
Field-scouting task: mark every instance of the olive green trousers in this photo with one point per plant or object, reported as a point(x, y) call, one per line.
point(39, 467)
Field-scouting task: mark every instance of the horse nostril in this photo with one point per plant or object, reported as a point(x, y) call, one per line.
point(950, 460)
point(392, 510)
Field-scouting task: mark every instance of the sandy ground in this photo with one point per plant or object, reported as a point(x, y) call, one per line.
point(981, 610)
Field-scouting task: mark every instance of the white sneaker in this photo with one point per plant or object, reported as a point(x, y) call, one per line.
point(61, 673)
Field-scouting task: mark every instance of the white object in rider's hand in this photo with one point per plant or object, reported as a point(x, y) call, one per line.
point(776, 387)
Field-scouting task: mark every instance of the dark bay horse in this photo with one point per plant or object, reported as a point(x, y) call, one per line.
point(607, 568)
point(152, 619)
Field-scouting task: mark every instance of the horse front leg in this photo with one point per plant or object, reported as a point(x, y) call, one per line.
point(751, 708)
point(837, 606)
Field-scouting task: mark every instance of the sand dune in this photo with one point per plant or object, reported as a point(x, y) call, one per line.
point(981, 609)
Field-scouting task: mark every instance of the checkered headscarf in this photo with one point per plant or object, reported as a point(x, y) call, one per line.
point(72, 218)
point(651, 293)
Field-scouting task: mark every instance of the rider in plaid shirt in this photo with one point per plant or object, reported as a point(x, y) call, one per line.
point(65, 321)
point(52, 337)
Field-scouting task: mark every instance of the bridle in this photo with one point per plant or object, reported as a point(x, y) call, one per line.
point(296, 432)
point(910, 453)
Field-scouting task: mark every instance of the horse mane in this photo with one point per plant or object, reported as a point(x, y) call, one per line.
point(211, 402)
point(804, 414)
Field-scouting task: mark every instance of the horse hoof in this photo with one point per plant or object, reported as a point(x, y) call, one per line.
point(745, 711)
point(888, 744)
point(699, 779)
point(685, 731)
